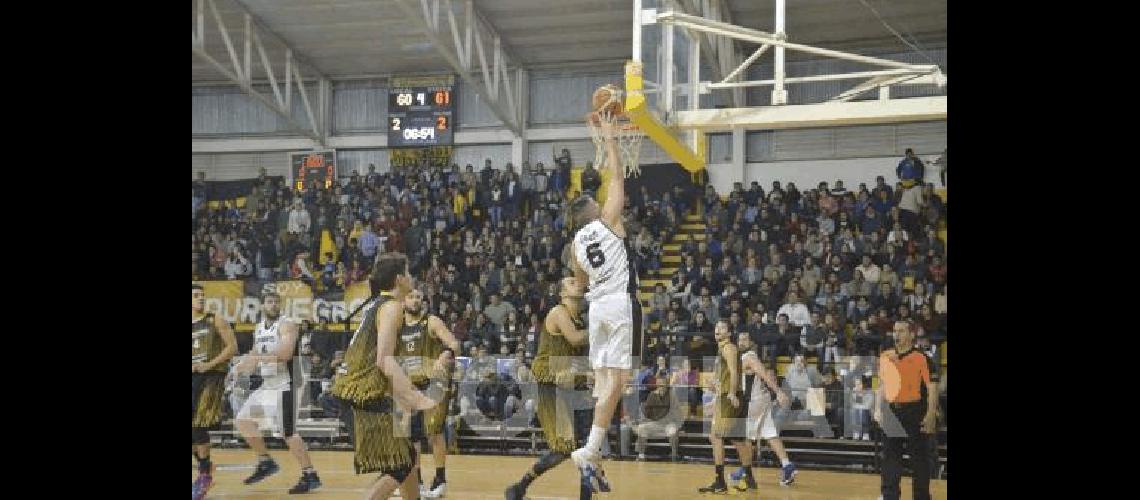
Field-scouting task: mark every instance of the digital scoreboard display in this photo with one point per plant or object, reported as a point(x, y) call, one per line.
point(421, 111)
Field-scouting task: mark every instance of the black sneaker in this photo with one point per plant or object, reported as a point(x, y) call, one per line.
point(717, 486)
point(514, 492)
point(308, 482)
point(265, 468)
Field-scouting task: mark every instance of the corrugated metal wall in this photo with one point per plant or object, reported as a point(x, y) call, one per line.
point(360, 106)
point(565, 98)
point(348, 160)
point(228, 110)
point(862, 141)
point(499, 154)
point(232, 166)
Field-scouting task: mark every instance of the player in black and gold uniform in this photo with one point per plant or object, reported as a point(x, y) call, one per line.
point(730, 409)
point(374, 381)
point(213, 345)
point(561, 343)
point(427, 354)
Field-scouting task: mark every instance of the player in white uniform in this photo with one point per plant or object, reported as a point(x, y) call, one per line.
point(761, 425)
point(601, 259)
point(270, 406)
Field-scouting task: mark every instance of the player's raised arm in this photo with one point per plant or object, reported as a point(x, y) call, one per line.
point(615, 187)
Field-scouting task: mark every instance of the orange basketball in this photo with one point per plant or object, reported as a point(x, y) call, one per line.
point(607, 99)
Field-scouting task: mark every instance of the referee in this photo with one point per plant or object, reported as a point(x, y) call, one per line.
point(903, 371)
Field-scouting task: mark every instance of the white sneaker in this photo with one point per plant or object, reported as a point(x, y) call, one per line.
point(866, 437)
point(592, 473)
point(641, 456)
point(436, 493)
point(583, 458)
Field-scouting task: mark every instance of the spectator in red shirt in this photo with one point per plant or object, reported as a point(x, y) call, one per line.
point(937, 270)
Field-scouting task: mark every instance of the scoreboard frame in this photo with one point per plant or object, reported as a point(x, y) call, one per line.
point(421, 111)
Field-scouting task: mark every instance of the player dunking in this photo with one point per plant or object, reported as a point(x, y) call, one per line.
point(426, 353)
point(374, 378)
point(561, 341)
point(274, 343)
point(600, 257)
point(213, 344)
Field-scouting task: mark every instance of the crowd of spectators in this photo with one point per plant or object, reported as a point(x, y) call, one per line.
point(487, 247)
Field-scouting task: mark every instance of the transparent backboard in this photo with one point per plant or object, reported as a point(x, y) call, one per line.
point(665, 58)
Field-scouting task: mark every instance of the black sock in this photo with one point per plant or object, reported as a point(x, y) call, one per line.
point(547, 461)
point(527, 478)
point(748, 471)
point(203, 464)
point(441, 474)
point(719, 473)
point(264, 458)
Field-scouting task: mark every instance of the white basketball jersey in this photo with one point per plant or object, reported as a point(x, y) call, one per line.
point(266, 338)
point(602, 254)
point(759, 388)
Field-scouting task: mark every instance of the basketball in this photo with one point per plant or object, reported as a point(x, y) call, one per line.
point(607, 99)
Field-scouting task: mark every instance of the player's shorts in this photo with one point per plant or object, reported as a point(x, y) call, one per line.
point(207, 389)
point(377, 445)
point(271, 406)
point(615, 331)
point(556, 419)
point(761, 425)
point(728, 421)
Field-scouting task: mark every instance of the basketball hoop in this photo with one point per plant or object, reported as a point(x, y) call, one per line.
point(627, 133)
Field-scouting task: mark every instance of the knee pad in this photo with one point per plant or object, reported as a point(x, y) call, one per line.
point(200, 436)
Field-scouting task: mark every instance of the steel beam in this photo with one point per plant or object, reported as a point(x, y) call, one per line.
point(828, 114)
point(496, 87)
point(241, 73)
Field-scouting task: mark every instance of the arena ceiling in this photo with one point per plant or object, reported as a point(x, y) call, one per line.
point(362, 38)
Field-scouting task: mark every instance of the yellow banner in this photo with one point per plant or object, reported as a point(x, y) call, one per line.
point(239, 303)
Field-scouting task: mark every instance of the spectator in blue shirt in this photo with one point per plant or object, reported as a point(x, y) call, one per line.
point(369, 242)
point(910, 170)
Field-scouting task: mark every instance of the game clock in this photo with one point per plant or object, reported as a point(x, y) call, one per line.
point(421, 111)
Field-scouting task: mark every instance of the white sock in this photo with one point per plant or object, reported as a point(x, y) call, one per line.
point(784, 463)
point(594, 442)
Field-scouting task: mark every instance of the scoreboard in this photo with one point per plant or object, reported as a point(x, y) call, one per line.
point(421, 111)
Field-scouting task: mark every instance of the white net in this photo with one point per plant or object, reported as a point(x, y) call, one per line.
point(627, 134)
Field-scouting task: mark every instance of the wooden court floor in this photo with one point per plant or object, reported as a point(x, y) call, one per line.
point(482, 477)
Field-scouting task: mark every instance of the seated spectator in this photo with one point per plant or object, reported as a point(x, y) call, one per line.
point(858, 287)
point(834, 395)
point(686, 385)
point(300, 269)
point(660, 415)
point(869, 270)
point(659, 303)
point(800, 378)
point(812, 338)
point(237, 265)
point(798, 314)
point(497, 310)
